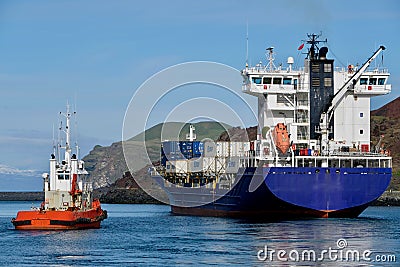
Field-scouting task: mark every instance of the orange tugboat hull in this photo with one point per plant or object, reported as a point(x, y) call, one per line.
point(59, 220)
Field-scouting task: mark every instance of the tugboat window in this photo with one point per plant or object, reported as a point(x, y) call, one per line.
point(381, 81)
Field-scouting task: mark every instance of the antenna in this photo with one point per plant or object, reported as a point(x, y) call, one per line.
point(247, 44)
point(54, 142)
point(271, 65)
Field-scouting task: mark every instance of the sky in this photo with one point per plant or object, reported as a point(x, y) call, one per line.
point(95, 54)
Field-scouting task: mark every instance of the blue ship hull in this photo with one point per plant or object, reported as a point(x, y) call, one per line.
point(285, 192)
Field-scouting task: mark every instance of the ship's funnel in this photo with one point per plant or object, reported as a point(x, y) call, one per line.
point(322, 52)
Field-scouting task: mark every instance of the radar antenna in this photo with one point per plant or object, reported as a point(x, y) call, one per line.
point(270, 57)
point(313, 51)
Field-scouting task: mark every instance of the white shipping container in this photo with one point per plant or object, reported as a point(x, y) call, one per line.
point(181, 166)
point(223, 149)
point(169, 167)
point(237, 149)
point(232, 164)
point(195, 165)
point(176, 166)
point(210, 149)
point(220, 165)
point(246, 146)
point(209, 164)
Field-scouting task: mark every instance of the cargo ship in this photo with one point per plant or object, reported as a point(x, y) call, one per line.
point(312, 156)
point(68, 203)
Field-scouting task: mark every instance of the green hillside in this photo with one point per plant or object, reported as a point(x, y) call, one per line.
point(171, 131)
point(107, 164)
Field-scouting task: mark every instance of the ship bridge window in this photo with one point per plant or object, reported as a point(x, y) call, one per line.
point(363, 81)
point(267, 80)
point(287, 80)
point(381, 81)
point(63, 175)
point(277, 81)
point(256, 80)
point(372, 81)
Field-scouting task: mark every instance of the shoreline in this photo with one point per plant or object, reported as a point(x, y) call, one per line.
point(388, 198)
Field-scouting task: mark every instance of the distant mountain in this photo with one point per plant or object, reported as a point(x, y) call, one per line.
point(386, 121)
point(107, 164)
point(390, 110)
point(4, 169)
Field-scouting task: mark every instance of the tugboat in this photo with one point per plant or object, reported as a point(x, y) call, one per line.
point(68, 203)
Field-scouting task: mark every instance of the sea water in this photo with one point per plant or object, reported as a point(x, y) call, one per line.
point(149, 235)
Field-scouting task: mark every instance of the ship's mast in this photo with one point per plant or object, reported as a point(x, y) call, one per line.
point(270, 57)
point(67, 131)
point(313, 41)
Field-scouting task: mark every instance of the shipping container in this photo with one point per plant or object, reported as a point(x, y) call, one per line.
point(198, 148)
point(195, 165)
point(232, 164)
point(210, 149)
point(237, 149)
point(170, 147)
point(186, 147)
point(163, 160)
point(209, 164)
point(169, 167)
point(246, 146)
point(180, 166)
point(223, 149)
point(220, 165)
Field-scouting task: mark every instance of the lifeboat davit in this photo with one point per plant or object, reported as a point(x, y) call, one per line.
point(281, 138)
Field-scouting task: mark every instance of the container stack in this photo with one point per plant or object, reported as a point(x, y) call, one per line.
point(196, 156)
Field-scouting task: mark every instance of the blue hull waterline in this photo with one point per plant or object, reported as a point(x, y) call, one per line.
point(285, 193)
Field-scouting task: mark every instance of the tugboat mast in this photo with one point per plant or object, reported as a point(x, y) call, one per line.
point(67, 131)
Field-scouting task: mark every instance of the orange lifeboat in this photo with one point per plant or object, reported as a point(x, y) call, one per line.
point(281, 138)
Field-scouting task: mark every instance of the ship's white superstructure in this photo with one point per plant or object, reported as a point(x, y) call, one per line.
point(291, 96)
point(65, 186)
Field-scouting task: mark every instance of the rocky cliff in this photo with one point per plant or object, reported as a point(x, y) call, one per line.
point(107, 164)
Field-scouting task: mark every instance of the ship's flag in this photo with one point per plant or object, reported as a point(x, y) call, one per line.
point(300, 47)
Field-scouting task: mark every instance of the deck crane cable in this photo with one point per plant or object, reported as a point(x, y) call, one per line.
point(337, 58)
